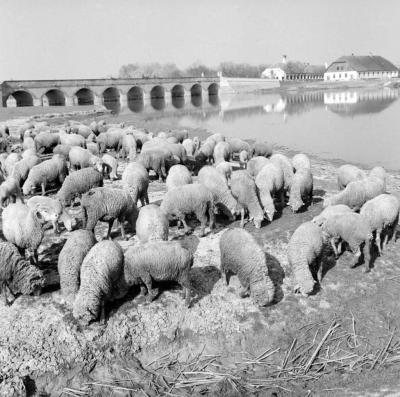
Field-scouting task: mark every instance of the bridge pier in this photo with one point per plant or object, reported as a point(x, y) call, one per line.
point(37, 102)
point(123, 100)
point(98, 100)
point(70, 100)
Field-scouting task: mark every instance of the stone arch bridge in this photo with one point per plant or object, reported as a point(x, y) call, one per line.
point(100, 91)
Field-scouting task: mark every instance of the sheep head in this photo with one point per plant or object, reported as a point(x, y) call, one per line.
point(306, 287)
point(295, 203)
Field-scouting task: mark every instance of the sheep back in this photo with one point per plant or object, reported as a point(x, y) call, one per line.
point(152, 224)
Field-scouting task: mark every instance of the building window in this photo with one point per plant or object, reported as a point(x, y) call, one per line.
point(345, 75)
point(337, 67)
point(333, 75)
point(340, 75)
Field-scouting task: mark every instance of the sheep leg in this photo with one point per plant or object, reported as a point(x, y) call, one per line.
point(187, 228)
point(143, 290)
point(339, 247)
point(242, 218)
point(121, 224)
point(228, 275)
point(367, 256)
point(102, 320)
point(55, 227)
point(6, 293)
point(185, 282)
point(146, 198)
point(203, 221)
point(152, 292)
point(36, 256)
point(378, 242)
point(211, 216)
point(110, 224)
point(333, 245)
point(282, 196)
point(43, 188)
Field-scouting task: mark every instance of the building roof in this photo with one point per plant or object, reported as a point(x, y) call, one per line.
point(365, 63)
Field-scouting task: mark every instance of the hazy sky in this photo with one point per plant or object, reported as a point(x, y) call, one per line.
point(42, 39)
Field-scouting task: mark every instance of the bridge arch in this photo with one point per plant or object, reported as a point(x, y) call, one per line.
point(111, 94)
point(213, 89)
point(19, 98)
point(196, 90)
point(157, 91)
point(84, 96)
point(54, 97)
point(135, 93)
point(177, 91)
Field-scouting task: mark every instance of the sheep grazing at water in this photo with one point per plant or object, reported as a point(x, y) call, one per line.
point(217, 137)
point(225, 169)
point(299, 161)
point(270, 182)
point(45, 142)
point(280, 160)
point(152, 224)
point(100, 274)
point(348, 173)
point(355, 230)
point(261, 149)
point(255, 165)
point(80, 158)
point(52, 211)
point(237, 145)
point(378, 172)
point(178, 175)
point(23, 227)
point(330, 212)
point(45, 172)
point(21, 169)
point(77, 183)
point(189, 146)
point(196, 143)
point(241, 255)
point(158, 261)
point(244, 157)
point(128, 147)
point(206, 152)
point(216, 183)
point(305, 250)
point(357, 193)
point(72, 140)
point(156, 160)
point(70, 260)
point(189, 199)
point(10, 191)
point(17, 276)
point(135, 179)
point(244, 190)
point(382, 213)
point(109, 166)
point(301, 191)
point(222, 152)
point(179, 135)
point(107, 204)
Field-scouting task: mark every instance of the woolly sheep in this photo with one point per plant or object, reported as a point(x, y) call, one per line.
point(28, 143)
point(189, 199)
point(378, 172)
point(355, 230)
point(357, 193)
point(196, 143)
point(225, 169)
point(10, 191)
point(93, 148)
point(101, 271)
point(77, 183)
point(158, 261)
point(382, 212)
point(84, 130)
point(270, 182)
point(300, 160)
point(52, 211)
point(261, 149)
point(189, 146)
point(241, 255)
point(23, 227)
point(28, 153)
point(243, 158)
point(222, 152)
point(178, 175)
point(173, 139)
point(135, 179)
point(217, 137)
point(110, 166)
point(18, 276)
point(255, 165)
point(45, 142)
point(280, 160)
point(81, 158)
point(348, 173)
point(216, 183)
point(179, 135)
point(206, 152)
point(304, 250)
point(70, 260)
point(10, 162)
point(45, 172)
point(107, 204)
point(63, 150)
point(329, 212)
point(157, 161)
point(244, 190)
point(72, 140)
point(237, 145)
point(152, 224)
point(127, 147)
point(110, 139)
point(21, 168)
point(301, 191)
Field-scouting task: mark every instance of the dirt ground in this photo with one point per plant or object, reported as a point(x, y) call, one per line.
point(341, 341)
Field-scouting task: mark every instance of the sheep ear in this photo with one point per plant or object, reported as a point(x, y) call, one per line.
point(38, 214)
point(91, 193)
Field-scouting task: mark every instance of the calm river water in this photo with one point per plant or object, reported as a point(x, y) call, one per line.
point(360, 126)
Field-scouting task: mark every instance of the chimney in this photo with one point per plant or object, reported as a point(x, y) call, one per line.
point(283, 59)
point(326, 65)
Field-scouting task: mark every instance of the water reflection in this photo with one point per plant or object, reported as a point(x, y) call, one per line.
point(136, 105)
point(196, 100)
point(178, 102)
point(113, 105)
point(158, 103)
point(213, 100)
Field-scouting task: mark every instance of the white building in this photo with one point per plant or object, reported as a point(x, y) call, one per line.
point(360, 67)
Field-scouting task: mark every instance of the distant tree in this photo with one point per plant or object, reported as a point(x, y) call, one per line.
point(231, 69)
point(197, 69)
point(155, 69)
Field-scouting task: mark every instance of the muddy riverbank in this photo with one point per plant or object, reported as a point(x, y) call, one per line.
point(341, 341)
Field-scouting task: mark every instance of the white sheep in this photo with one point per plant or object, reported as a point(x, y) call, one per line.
point(10, 191)
point(270, 182)
point(329, 212)
point(10, 162)
point(300, 160)
point(382, 212)
point(222, 152)
point(189, 199)
point(109, 166)
point(305, 250)
point(70, 260)
point(237, 145)
point(225, 169)
point(244, 190)
point(255, 165)
point(378, 172)
point(82, 158)
point(241, 255)
point(152, 224)
point(261, 149)
point(128, 147)
point(243, 158)
point(23, 227)
point(21, 168)
point(189, 146)
point(158, 261)
point(178, 175)
point(348, 173)
point(101, 271)
point(301, 191)
point(135, 179)
point(280, 160)
point(355, 230)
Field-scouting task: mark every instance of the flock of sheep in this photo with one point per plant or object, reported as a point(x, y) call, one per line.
point(77, 158)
